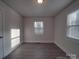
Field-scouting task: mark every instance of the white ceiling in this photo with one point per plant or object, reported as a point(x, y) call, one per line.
point(31, 8)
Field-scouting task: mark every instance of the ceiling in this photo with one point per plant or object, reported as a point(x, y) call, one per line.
point(31, 8)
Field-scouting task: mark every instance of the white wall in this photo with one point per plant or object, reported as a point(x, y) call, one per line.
point(70, 46)
point(46, 37)
point(11, 20)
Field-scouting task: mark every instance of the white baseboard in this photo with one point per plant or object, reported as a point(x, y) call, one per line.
point(38, 42)
point(71, 55)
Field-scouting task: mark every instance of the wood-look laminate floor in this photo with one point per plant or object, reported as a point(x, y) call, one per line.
point(37, 51)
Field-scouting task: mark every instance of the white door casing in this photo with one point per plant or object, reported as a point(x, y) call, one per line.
point(1, 35)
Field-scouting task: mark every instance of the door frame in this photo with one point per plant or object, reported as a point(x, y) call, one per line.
point(3, 23)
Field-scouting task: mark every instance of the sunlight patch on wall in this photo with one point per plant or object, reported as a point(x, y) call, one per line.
point(15, 37)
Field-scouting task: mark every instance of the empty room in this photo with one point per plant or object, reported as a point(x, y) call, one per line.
point(39, 29)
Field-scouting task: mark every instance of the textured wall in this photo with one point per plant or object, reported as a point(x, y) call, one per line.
point(46, 37)
point(70, 46)
point(11, 20)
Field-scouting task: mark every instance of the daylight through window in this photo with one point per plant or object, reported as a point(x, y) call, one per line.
point(73, 25)
point(38, 27)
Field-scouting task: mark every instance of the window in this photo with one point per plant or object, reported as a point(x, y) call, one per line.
point(73, 25)
point(15, 37)
point(38, 27)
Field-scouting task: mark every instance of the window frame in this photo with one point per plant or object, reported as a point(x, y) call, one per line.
point(71, 25)
point(41, 27)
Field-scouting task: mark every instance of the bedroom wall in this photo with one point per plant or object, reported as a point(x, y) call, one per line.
point(70, 46)
point(46, 37)
point(11, 20)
